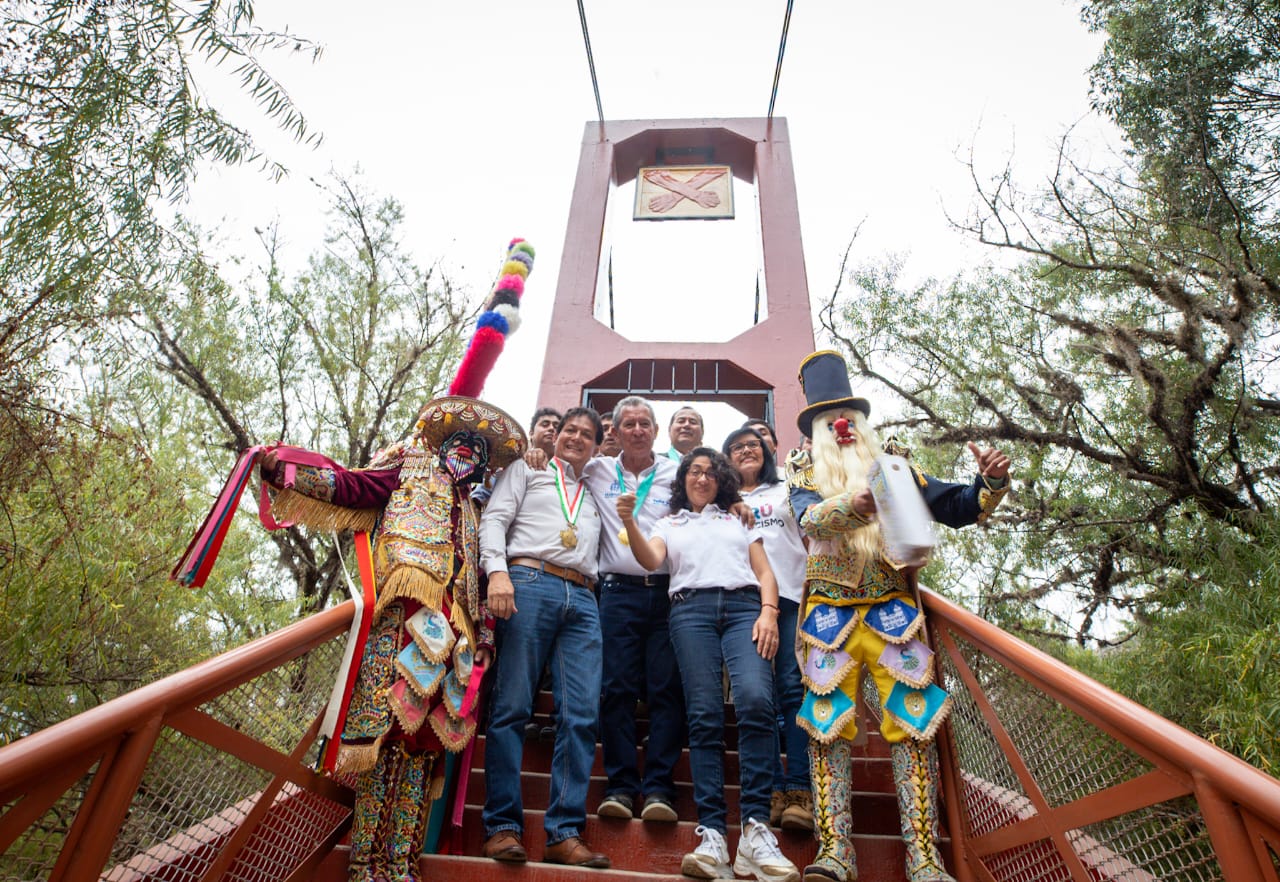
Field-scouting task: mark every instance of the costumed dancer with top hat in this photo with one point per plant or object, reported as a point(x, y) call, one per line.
point(860, 612)
point(409, 703)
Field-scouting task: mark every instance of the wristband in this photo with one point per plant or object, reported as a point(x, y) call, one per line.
point(772, 606)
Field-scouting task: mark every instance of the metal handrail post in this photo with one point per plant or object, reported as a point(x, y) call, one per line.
point(93, 851)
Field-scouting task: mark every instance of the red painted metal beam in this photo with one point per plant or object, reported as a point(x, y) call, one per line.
point(580, 348)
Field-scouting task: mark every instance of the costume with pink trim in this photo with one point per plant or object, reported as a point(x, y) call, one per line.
point(859, 614)
point(413, 698)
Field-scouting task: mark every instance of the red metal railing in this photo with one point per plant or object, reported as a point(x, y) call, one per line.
point(201, 775)
point(206, 774)
point(1051, 776)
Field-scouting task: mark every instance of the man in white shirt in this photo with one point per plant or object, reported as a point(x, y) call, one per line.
point(633, 618)
point(538, 544)
point(685, 432)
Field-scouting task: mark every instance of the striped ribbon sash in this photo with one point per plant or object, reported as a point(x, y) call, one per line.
point(335, 715)
point(193, 569)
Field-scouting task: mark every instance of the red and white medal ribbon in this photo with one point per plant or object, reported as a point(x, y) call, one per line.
point(571, 508)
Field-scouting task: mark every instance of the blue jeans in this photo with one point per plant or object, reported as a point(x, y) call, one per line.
point(711, 628)
point(639, 665)
point(557, 623)
point(788, 695)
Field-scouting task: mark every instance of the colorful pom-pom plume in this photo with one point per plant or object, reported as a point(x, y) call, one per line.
point(500, 319)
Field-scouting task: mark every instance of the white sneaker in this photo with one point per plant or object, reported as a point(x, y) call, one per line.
point(710, 860)
point(759, 855)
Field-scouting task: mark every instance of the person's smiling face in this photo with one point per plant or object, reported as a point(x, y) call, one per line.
point(636, 431)
point(686, 430)
point(700, 483)
point(576, 442)
point(747, 457)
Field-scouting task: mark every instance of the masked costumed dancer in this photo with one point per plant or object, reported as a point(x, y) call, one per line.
point(409, 703)
point(859, 612)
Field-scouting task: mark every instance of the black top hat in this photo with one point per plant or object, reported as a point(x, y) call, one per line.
point(824, 377)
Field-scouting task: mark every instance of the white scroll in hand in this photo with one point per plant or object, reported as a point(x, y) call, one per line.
point(905, 522)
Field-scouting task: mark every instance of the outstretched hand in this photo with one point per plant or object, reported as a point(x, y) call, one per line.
point(992, 463)
point(267, 465)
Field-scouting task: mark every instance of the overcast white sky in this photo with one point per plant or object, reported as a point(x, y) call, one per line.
point(472, 113)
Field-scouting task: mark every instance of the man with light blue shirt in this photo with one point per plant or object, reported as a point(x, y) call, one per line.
point(538, 544)
point(633, 618)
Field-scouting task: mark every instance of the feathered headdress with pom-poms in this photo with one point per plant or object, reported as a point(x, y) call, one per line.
point(501, 318)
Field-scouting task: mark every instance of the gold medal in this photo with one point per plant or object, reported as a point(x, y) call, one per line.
point(622, 536)
point(570, 507)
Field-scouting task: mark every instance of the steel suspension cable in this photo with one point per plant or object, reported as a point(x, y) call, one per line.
point(591, 62)
point(782, 48)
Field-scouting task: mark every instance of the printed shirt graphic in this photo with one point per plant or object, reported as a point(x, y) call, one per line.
point(776, 524)
point(601, 475)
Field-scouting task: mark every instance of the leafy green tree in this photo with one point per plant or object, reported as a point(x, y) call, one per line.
point(1208, 657)
point(1196, 87)
point(88, 610)
point(101, 115)
point(338, 360)
point(102, 119)
point(1128, 373)
point(156, 408)
point(1127, 361)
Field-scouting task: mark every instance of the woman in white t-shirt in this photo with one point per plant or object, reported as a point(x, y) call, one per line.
point(767, 496)
point(724, 610)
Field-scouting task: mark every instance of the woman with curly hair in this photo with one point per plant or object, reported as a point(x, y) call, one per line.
point(724, 613)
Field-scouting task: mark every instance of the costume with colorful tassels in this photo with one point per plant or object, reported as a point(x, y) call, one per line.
point(412, 697)
point(859, 613)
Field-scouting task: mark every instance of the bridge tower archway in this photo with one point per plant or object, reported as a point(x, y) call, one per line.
point(755, 371)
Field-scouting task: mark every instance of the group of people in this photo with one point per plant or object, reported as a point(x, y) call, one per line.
point(636, 576)
point(708, 561)
point(684, 590)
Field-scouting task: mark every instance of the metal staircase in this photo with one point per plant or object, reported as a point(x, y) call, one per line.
point(1047, 776)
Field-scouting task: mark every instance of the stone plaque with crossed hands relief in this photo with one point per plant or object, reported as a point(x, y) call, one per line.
point(684, 192)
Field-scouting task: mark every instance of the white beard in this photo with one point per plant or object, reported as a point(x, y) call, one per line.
point(842, 468)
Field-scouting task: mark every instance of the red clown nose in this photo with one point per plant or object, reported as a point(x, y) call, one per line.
point(842, 426)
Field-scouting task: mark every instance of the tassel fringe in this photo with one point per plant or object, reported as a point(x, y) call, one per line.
point(292, 506)
point(357, 759)
point(411, 582)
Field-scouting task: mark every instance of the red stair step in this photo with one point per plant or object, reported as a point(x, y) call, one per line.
point(632, 845)
point(874, 812)
point(879, 858)
point(537, 758)
point(869, 775)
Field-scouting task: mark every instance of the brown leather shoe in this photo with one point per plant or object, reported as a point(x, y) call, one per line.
point(574, 852)
point(505, 846)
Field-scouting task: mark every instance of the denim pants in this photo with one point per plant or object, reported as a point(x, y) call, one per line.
point(788, 695)
point(711, 628)
point(558, 624)
point(639, 665)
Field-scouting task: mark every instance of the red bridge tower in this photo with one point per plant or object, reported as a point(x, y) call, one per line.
point(756, 370)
